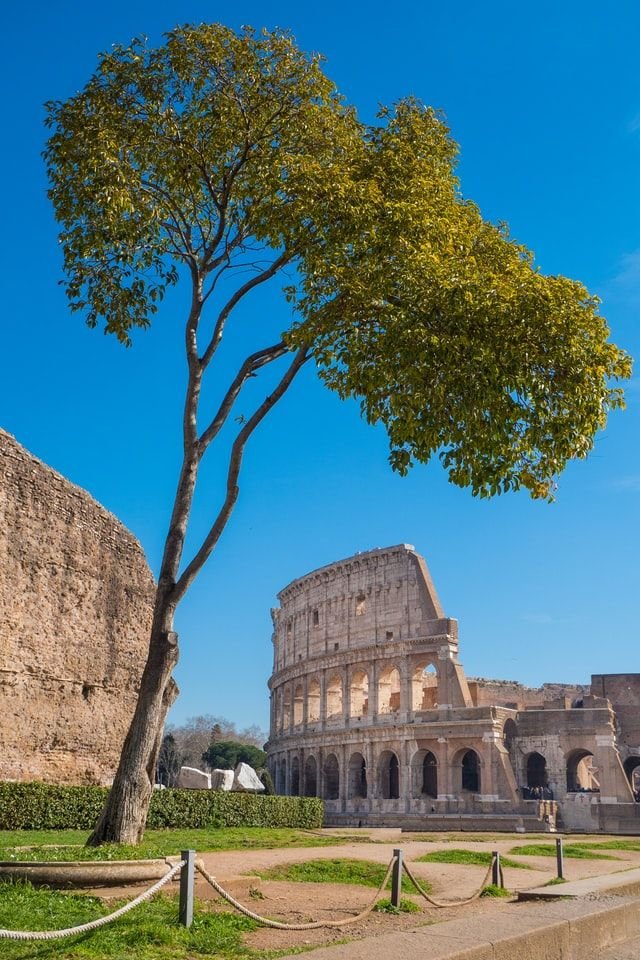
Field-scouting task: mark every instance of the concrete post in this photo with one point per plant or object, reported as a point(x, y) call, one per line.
point(186, 888)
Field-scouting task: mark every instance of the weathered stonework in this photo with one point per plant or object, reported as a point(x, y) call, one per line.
point(370, 709)
point(75, 613)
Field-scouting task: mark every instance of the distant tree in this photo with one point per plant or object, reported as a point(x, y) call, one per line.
point(169, 761)
point(223, 159)
point(195, 735)
point(267, 782)
point(227, 754)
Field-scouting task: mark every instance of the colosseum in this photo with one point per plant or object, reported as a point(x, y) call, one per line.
point(371, 710)
point(75, 613)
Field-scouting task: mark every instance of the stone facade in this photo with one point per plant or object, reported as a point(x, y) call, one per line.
point(371, 709)
point(75, 610)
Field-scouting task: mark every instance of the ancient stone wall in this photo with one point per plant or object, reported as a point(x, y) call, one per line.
point(75, 606)
point(516, 696)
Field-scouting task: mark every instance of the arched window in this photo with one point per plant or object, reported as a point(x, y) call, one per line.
point(389, 775)
point(295, 777)
point(424, 774)
point(334, 697)
point(509, 733)
point(581, 775)
point(298, 704)
point(357, 776)
point(632, 770)
point(310, 777)
point(359, 694)
point(389, 691)
point(430, 776)
point(282, 777)
point(331, 778)
point(286, 708)
point(470, 772)
point(424, 687)
point(536, 771)
point(313, 701)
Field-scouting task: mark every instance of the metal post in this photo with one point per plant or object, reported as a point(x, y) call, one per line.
point(559, 858)
point(495, 873)
point(396, 879)
point(186, 887)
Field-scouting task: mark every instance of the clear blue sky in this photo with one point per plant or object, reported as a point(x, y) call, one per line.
point(544, 100)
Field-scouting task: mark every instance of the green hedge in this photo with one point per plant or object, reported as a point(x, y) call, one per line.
point(42, 806)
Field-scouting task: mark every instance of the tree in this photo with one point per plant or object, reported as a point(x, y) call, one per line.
point(223, 159)
point(169, 761)
point(227, 754)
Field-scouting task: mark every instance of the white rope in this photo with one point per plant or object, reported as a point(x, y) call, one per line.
point(451, 903)
point(93, 924)
point(277, 924)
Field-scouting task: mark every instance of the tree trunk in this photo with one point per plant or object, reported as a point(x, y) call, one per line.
point(124, 815)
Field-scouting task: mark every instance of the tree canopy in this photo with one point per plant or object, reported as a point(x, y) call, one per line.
point(217, 146)
point(223, 159)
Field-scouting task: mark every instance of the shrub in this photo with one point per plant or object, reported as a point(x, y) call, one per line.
point(42, 806)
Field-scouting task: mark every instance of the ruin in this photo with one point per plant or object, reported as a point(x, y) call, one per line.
point(76, 597)
point(371, 710)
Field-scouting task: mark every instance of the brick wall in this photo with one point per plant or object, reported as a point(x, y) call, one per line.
point(75, 607)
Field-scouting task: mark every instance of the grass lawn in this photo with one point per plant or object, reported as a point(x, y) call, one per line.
point(150, 932)
point(572, 850)
point(480, 857)
point(69, 844)
point(629, 845)
point(363, 872)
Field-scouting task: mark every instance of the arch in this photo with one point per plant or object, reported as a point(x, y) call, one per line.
point(581, 776)
point(311, 777)
point(424, 686)
point(389, 690)
point(632, 770)
point(359, 694)
point(334, 697)
point(282, 777)
point(389, 775)
point(313, 701)
point(509, 733)
point(536, 771)
point(357, 776)
point(430, 775)
point(469, 771)
point(298, 705)
point(295, 777)
point(331, 777)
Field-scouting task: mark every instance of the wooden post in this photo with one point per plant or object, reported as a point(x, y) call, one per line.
point(186, 887)
point(396, 879)
point(495, 873)
point(559, 858)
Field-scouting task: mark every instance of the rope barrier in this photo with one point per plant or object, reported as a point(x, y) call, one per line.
point(452, 903)
point(92, 924)
point(265, 921)
point(279, 925)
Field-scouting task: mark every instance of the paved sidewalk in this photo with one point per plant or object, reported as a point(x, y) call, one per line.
point(566, 930)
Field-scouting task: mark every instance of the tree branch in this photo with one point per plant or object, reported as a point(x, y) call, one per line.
point(235, 462)
point(285, 257)
point(248, 369)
